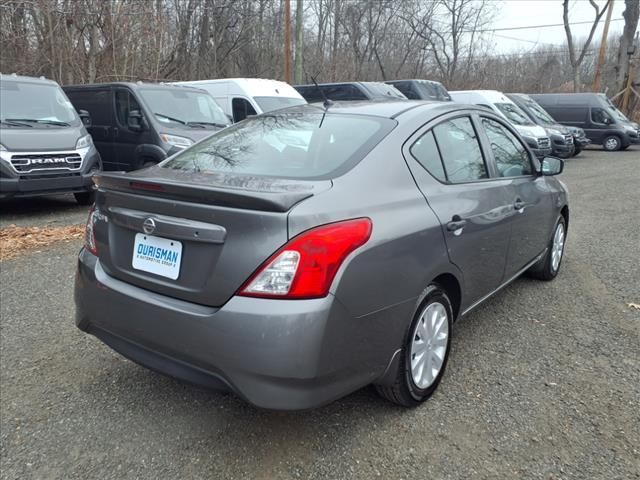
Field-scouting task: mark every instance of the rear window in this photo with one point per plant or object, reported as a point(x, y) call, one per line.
point(300, 143)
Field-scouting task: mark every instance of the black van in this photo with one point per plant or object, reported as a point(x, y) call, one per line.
point(603, 123)
point(418, 89)
point(44, 146)
point(565, 141)
point(348, 91)
point(140, 124)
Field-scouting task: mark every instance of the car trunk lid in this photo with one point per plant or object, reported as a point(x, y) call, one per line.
point(189, 235)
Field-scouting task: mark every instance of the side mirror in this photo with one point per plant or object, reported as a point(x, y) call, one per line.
point(552, 166)
point(134, 121)
point(85, 117)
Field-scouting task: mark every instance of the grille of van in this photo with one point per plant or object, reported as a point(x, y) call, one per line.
point(544, 142)
point(34, 163)
point(568, 139)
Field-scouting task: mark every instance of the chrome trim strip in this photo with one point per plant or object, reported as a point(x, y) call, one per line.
point(518, 273)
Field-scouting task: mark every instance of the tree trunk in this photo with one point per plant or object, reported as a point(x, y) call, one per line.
point(631, 14)
point(297, 69)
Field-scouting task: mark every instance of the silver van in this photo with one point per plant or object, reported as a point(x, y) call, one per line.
point(44, 145)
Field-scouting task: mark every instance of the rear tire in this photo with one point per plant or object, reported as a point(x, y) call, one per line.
point(425, 352)
point(547, 267)
point(612, 143)
point(85, 198)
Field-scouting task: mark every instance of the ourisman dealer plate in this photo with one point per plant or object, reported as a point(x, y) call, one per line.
point(157, 255)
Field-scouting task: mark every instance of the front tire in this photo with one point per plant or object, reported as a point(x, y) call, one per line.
point(85, 198)
point(425, 352)
point(612, 143)
point(547, 267)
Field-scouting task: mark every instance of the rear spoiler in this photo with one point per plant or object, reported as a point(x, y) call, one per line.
point(235, 191)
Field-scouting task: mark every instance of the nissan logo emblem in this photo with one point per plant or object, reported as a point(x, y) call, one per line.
point(149, 225)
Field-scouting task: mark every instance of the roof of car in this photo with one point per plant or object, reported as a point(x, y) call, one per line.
point(22, 78)
point(132, 85)
point(391, 109)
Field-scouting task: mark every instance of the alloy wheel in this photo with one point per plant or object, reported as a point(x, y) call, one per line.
point(557, 248)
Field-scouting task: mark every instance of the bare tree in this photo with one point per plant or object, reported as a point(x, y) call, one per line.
point(576, 60)
point(631, 14)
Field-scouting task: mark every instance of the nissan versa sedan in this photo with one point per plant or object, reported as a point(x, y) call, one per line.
point(302, 254)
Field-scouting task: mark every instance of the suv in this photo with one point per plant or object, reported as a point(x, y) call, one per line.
point(137, 125)
point(603, 123)
point(418, 89)
point(348, 91)
point(44, 146)
point(564, 142)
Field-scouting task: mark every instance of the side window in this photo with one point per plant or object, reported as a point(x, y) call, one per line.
point(407, 89)
point(599, 115)
point(460, 150)
point(425, 151)
point(241, 109)
point(512, 158)
point(125, 103)
point(98, 103)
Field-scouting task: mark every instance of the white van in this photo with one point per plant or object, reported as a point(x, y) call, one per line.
point(241, 97)
point(535, 136)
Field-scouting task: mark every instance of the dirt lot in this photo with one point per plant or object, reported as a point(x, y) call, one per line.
point(543, 383)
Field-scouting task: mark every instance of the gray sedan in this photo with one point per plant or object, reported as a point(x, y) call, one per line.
point(299, 255)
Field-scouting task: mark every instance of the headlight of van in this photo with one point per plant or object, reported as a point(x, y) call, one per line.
point(84, 142)
point(532, 142)
point(176, 141)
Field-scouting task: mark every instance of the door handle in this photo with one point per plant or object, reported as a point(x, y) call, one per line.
point(518, 204)
point(456, 224)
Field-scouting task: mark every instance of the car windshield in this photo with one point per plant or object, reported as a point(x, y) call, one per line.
point(432, 90)
point(177, 105)
point(383, 90)
point(269, 104)
point(297, 143)
point(35, 105)
point(617, 114)
point(540, 113)
point(513, 113)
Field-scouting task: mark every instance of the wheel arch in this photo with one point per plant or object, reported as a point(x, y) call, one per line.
point(450, 284)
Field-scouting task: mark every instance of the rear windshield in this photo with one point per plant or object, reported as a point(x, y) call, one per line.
point(268, 104)
point(299, 143)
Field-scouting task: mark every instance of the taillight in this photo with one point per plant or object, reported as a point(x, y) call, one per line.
point(89, 234)
point(306, 266)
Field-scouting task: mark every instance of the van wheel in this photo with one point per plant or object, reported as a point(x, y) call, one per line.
point(612, 143)
point(577, 151)
point(149, 163)
point(425, 352)
point(85, 198)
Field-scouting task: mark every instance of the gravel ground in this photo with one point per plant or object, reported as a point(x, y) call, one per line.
point(543, 382)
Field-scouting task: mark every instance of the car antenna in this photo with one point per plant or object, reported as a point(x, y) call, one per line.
point(326, 103)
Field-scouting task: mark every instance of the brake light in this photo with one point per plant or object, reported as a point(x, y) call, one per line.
point(89, 234)
point(306, 266)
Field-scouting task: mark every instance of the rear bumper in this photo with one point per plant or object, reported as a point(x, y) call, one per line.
point(276, 354)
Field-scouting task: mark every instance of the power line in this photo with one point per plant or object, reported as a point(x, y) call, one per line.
point(505, 29)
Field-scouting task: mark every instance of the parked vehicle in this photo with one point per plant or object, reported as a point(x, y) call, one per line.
point(349, 91)
point(136, 125)
point(179, 273)
point(603, 123)
point(240, 98)
point(44, 146)
point(562, 138)
point(535, 136)
point(419, 89)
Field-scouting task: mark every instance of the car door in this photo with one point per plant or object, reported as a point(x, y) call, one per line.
point(474, 209)
point(599, 122)
point(125, 140)
point(99, 103)
point(531, 200)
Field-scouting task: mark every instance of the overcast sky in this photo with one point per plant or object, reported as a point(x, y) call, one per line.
point(524, 13)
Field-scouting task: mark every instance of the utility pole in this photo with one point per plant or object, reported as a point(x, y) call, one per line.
point(297, 64)
point(287, 41)
point(603, 49)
